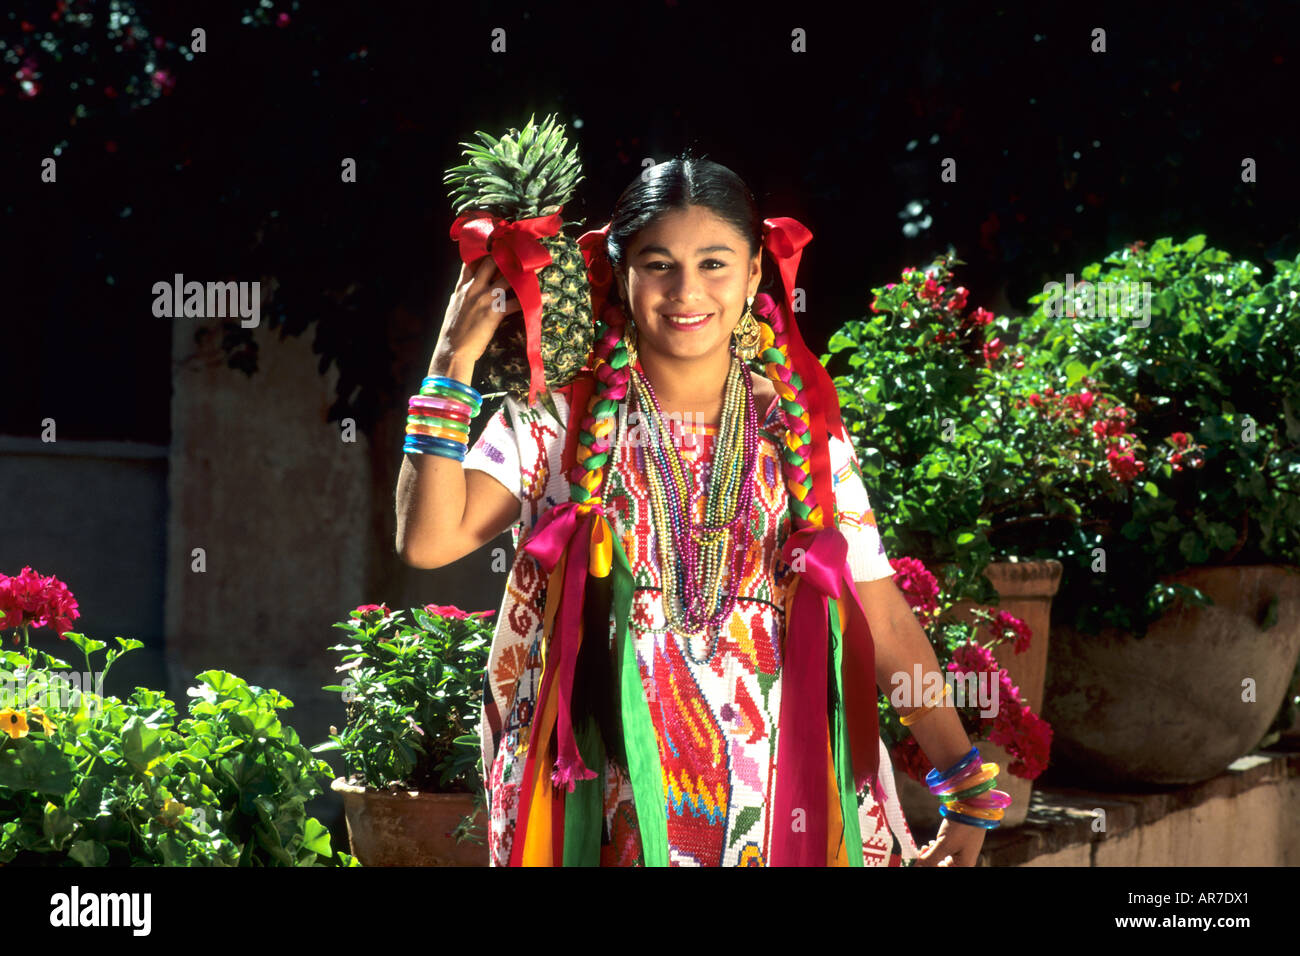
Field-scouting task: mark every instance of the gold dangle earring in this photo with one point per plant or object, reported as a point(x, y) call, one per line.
point(746, 334)
point(629, 336)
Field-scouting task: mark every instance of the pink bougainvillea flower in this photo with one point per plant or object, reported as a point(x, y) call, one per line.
point(918, 585)
point(1026, 737)
point(1123, 465)
point(1081, 403)
point(1006, 621)
point(973, 657)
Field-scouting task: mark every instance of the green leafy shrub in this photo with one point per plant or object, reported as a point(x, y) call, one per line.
point(97, 781)
point(965, 459)
point(1217, 372)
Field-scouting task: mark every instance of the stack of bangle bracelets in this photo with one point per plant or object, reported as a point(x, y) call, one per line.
point(437, 420)
point(965, 790)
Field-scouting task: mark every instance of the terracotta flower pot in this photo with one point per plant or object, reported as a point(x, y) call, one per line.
point(1173, 707)
point(409, 827)
point(1025, 589)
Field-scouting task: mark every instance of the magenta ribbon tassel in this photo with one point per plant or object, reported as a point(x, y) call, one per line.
point(801, 759)
point(554, 532)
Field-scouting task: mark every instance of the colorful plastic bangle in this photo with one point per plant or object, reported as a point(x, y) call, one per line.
point(969, 821)
point(432, 441)
point(457, 402)
point(457, 411)
point(973, 778)
point(916, 715)
point(991, 813)
point(436, 432)
point(448, 391)
point(934, 777)
point(963, 779)
point(437, 422)
point(441, 452)
point(997, 799)
point(969, 792)
point(469, 392)
point(441, 391)
point(988, 771)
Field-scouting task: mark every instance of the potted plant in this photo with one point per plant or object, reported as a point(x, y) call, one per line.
point(992, 708)
point(413, 794)
point(966, 472)
point(1178, 606)
point(93, 780)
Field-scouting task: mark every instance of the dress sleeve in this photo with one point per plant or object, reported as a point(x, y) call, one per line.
point(522, 446)
point(867, 558)
point(497, 452)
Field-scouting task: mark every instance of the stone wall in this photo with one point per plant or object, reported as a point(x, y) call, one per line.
point(297, 526)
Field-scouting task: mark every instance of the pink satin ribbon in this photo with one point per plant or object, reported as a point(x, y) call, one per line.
point(550, 537)
point(801, 747)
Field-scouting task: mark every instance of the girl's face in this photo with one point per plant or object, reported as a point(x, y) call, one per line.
point(687, 279)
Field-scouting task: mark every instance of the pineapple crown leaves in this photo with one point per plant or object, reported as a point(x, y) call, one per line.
point(522, 175)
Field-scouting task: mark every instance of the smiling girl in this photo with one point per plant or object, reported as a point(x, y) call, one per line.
point(678, 676)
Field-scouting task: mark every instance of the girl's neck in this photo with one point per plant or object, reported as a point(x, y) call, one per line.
point(693, 388)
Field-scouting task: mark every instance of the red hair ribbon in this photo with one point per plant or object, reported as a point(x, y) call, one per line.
point(517, 253)
point(823, 551)
point(600, 273)
point(784, 239)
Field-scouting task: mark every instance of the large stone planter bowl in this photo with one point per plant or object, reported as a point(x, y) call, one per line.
point(1173, 707)
point(408, 827)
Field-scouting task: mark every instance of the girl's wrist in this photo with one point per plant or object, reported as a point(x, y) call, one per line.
point(450, 365)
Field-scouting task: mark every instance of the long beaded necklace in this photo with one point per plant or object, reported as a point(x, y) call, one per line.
point(693, 558)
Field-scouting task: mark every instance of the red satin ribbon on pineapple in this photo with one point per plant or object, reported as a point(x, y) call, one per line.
point(548, 542)
point(517, 253)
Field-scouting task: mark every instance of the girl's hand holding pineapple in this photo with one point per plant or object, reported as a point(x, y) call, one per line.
point(471, 319)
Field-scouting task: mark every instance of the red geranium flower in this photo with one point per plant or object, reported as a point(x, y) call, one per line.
point(38, 601)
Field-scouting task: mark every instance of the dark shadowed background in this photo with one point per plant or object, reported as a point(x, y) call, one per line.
point(182, 434)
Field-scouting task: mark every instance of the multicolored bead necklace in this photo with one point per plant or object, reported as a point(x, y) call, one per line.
point(693, 558)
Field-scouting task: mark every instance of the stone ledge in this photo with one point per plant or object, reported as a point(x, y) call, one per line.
point(1060, 820)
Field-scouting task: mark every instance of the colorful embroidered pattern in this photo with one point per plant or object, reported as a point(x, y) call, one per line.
point(716, 722)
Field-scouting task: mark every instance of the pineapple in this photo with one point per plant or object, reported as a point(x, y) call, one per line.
point(522, 175)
